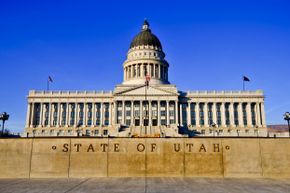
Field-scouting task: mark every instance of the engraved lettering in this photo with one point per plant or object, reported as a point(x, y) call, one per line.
point(65, 147)
point(216, 147)
point(189, 145)
point(176, 147)
point(202, 148)
point(116, 147)
point(91, 148)
point(104, 146)
point(153, 147)
point(78, 145)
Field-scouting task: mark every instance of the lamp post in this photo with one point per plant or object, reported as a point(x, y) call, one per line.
point(287, 118)
point(4, 117)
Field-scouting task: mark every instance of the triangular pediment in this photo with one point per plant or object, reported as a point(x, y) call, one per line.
point(142, 90)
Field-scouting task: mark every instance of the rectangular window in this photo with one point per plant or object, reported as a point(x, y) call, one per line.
point(218, 114)
point(253, 113)
point(236, 114)
point(244, 106)
point(227, 113)
point(201, 114)
point(192, 114)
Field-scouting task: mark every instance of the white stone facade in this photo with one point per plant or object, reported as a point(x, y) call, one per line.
point(135, 109)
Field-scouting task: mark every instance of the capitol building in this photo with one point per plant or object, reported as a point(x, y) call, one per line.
point(145, 104)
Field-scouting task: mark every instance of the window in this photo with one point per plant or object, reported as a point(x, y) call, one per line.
point(245, 113)
point(89, 121)
point(81, 114)
point(72, 115)
point(163, 121)
point(210, 121)
point(253, 113)
point(201, 114)
point(46, 114)
point(236, 115)
point(55, 107)
point(227, 113)
point(192, 114)
point(184, 113)
point(218, 114)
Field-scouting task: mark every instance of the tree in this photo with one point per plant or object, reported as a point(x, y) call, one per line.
point(4, 117)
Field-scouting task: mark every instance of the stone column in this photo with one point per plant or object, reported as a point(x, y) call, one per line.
point(223, 116)
point(167, 112)
point(31, 117)
point(28, 115)
point(150, 112)
point(197, 118)
point(141, 70)
point(214, 113)
point(141, 113)
point(176, 112)
point(67, 115)
point(258, 114)
point(158, 114)
point(76, 114)
point(132, 113)
point(111, 113)
point(188, 114)
point(232, 117)
point(101, 113)
point(249, 115)
point(263, 115)
point(123, 113)
point(85, 114)
point(50, 119)
point(206, 114)
point(115, 114)
point(58, 115)
point(240, 113)
point(180, 112)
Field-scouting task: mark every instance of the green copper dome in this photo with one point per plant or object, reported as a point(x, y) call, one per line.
point(145, 37)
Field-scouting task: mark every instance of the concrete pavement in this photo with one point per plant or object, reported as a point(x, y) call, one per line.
point(142, 185)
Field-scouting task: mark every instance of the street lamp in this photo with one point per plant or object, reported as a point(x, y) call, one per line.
point(213, 125)
point(287, 118)
point(4, 117)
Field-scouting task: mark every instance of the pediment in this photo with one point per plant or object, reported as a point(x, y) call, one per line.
point(141, 90)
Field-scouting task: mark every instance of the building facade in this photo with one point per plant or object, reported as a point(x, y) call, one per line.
point(145, 104)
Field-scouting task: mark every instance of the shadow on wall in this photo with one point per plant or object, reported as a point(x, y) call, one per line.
point(184, 130)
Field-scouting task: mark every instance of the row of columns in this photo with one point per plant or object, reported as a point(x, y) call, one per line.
point(141, 116)
point(31, 114)
point(159, 71)
point(258, 113)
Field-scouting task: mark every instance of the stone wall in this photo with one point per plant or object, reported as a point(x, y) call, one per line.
point(141, 157)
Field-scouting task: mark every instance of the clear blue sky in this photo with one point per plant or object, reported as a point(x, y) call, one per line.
point(209, 45)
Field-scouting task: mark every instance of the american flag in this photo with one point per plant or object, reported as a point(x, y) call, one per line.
point(147, 80)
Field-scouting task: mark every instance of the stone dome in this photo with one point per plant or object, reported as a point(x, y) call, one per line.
point(145, 37)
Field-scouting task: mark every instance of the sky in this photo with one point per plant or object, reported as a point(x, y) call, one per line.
point(82, 45)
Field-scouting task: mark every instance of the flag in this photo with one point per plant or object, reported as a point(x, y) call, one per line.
point(246, 79)
point(147, 80)
point(50, 79)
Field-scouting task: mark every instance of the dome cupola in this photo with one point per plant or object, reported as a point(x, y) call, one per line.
point(146, 37)
point(145, 58)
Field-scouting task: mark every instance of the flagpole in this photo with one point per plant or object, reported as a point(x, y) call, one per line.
point(243, 85)
point(47, 85)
